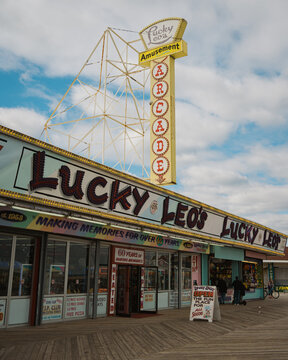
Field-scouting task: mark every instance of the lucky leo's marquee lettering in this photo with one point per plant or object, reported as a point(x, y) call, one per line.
point(184, 216)
point(116, 196)
point(98, 192)
point(248, 233)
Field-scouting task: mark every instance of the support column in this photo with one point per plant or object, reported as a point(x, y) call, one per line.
point(96, 278)
point(179, 280)
point(41, 278)
point(204, 269)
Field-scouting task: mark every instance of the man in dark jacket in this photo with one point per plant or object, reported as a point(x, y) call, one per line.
point(238, 286)
point(222, 288)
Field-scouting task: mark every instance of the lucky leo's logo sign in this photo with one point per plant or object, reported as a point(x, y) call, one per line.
point(162, 32)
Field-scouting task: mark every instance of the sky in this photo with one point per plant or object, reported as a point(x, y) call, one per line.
point(231, 89)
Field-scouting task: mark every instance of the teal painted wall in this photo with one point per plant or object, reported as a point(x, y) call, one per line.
point(204, 268)
point(235, 270)
point(258, 294)
point(228, 253)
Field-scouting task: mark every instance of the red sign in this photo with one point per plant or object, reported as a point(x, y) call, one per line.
point(159, 71)
point(129, 256)
point(160, 126)
point(113, 290)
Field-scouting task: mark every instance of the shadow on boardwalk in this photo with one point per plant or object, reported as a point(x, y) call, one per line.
point(256, 331)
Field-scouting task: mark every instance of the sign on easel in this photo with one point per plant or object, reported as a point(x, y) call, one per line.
point(205, 304)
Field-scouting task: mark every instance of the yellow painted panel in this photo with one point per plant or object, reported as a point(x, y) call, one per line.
point(162, 128)
point(177, 49)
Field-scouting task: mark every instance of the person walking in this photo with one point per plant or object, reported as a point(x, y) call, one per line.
point(237, 285)
point(270, 288)
point(222, 288)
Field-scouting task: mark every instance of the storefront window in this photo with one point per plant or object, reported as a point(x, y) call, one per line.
point(150, 279)
point(163, 271)
point(5, 258)
point(78, 268)
point(252, 275)
point(220, 269)
point(186, 272)
point(103, 270)
point(150, 258)
point(55, 268)
point(174, 272)
point(92, 268)
point(23, 267)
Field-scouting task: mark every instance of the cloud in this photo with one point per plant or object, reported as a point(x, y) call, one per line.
point(231, 89)
point(24, 120)
point(241, 100)
point(250, 184)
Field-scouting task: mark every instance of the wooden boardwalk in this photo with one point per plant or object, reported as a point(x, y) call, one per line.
point(256, 331)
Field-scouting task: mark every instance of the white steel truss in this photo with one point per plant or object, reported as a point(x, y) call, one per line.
point(104, 114)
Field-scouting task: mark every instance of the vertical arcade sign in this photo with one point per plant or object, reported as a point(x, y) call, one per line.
point(163, 44)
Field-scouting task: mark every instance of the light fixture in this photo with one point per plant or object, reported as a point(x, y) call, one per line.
point(87, 220)
point(37, 211)
point(124, 227)
point(190, 239)
point(6, 202)
point(154, 233)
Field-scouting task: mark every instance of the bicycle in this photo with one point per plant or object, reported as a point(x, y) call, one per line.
point(275, 293)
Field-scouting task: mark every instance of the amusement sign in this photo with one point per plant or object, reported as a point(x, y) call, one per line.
point(162, 40)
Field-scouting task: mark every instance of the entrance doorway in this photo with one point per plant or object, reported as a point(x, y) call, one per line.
point(132, 289)
point(17, 279)
point(128, 290)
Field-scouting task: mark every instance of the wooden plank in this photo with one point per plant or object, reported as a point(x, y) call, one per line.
point(258, 330)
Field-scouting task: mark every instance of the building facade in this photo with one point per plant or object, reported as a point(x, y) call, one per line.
point(79, 239)
point(275, 268)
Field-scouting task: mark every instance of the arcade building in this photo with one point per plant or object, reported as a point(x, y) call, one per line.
point(81, 240)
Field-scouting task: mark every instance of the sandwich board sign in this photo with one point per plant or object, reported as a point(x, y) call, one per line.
point(205, 305)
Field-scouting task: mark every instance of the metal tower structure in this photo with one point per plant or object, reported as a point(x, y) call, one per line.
point(104, 114)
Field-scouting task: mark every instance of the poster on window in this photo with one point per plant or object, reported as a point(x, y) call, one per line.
point(52, 308)
point(186, 298)
point(2, 311)
point(75, 307)
point(205, 305)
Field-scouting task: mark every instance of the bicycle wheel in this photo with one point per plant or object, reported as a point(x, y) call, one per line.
point(275, 294)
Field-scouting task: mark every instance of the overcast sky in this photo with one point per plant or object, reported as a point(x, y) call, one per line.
point(231, 89)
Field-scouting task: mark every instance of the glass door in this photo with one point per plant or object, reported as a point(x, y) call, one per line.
point(128, 290)
point(122, 301)
point(149, 289)
point(66, 280)
point(134, 289)
point(16, 269)
point(5, 265)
